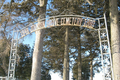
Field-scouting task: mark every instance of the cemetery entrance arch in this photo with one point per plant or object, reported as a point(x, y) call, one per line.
point(98, 24)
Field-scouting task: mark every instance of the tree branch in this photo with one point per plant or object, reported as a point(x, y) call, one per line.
point(89, 2)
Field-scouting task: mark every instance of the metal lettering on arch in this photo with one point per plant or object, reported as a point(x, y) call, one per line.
point(54, 21)
point(98, 24)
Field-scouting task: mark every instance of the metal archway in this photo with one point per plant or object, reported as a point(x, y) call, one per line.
point(67, 20)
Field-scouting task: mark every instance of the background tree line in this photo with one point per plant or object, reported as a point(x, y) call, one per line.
point(16, 14)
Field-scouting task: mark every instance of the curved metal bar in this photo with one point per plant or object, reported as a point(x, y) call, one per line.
point(53, 21)
point(63, 16)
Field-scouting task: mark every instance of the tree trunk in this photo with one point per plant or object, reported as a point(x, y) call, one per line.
point(38, 49)
point(66, 68)
point(79, 67)
point(115, 38)
point(79, 58)
point(37, 56)
point(91, 70)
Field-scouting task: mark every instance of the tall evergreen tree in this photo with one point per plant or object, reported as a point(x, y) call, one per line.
point(66, 57)
point(24, 63)
point(30, 10)
point(38, 49)
point(4, 56)
point(115, 37)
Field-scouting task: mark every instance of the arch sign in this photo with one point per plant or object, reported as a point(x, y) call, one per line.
point(98, 24)
point(61, 20)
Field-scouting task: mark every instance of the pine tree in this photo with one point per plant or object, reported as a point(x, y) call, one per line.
point(23, 9)
point(38, 49)
point(4, 56)
point(115, 37)
point(24, 63)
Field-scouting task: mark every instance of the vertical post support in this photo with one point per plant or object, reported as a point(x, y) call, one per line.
point(112, 73)
point(12, 59)
point(105, 49)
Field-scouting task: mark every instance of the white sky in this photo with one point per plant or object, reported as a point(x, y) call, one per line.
point(54, 76)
